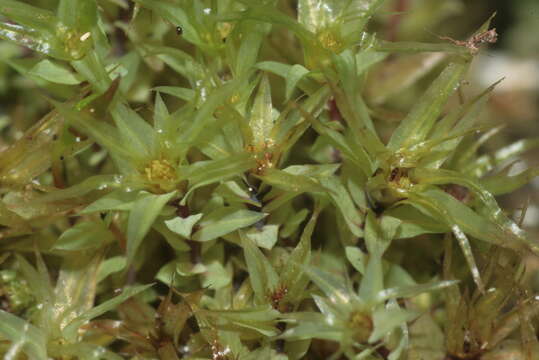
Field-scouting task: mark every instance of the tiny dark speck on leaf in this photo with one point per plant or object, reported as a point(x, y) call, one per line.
point(179, 30)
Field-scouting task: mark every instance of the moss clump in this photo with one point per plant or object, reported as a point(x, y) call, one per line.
point(244, 180)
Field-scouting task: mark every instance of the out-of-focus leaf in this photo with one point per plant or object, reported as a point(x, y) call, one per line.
point(145, 210)
point(23, 336)
point(41, 31)
point(179, 92)
point(420, 47)
point(412, 290)
point(83, 350)
point(251, 42)
point(502, 183)
point(292, 223)
point(110, 266)
point(176, 15)
point(39, 281)
point(76, 287)
point(224, 221)
point(80, 15)
point(480, 166)
point(216, 276)
point(403, 72)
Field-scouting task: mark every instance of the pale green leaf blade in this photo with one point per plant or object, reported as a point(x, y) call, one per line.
point(289, 182)
point(262, 275)
point(80, 15)
point(55, 72)
point(357, 258)
point(387, 320)
point(179, 92)
point(294, 75)
point(224, 221)
point(86, 235)
point(119, 200)
point(265, 237)
point(412, 290)
point(24, 337)
point(343, 202)
point(261, 120)
point(102, 308)
point(183, 226)
point(141, 218)
point(420, 120)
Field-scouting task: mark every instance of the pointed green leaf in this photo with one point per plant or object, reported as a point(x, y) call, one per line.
point(294, 75)
point(262, 276)
point(183, 226)
point(357, 258)
point(179, 92)
point(23, 336)
point(387, 320)
point(493, 211)
point(224, 221)
point(343, 202)
point(289, 182)
point(176, 15)
point(456, 213)
point(141, 218)
point(266, 237)
point(73, 326)
point(261, 119)
point(85, 235)
point(80, 15)
point(206, 172)
point(56, 73)
point(412, 290)
point(500, 184)
point(332, 286)
point(116, 200)
point(420, 120)
point(136, 134)
point(293, 275)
